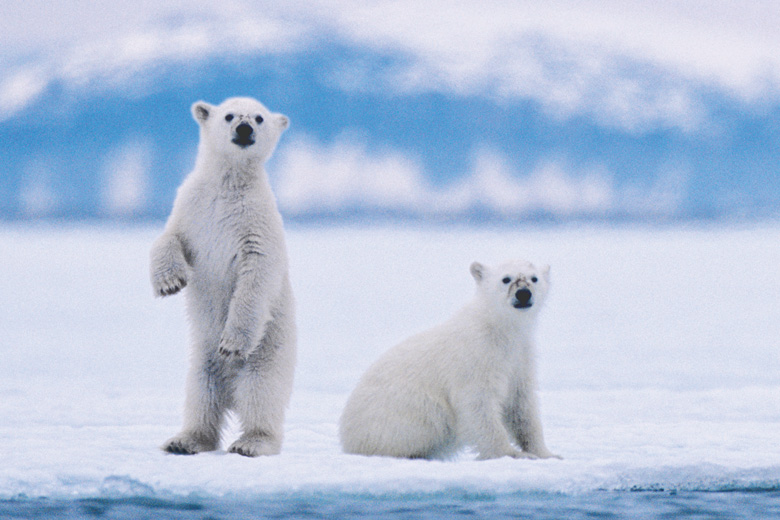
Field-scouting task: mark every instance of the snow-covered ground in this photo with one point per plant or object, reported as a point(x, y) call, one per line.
point(658, 360)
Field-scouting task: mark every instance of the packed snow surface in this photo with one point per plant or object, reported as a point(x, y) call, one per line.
point(658, 360)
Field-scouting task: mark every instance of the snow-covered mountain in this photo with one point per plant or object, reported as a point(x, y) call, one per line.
point(437, 111)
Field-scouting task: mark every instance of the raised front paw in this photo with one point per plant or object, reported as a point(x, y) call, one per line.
point(232, 345)
point(169, 280)
point(168, 266)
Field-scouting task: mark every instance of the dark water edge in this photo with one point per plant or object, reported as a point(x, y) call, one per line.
point(595, 505)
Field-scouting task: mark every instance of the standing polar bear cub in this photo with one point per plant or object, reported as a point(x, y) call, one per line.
point(224, 241)
point(467, 382)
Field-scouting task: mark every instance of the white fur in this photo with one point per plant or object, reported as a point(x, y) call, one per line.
point(467, 382)
point(224, 241)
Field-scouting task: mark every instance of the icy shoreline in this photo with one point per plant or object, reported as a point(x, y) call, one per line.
point(92, 379)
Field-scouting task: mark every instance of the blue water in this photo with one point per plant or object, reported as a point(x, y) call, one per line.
point(603, 504)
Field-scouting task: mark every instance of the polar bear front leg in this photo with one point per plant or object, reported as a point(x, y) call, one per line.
point(480, 420)
point(248, 313)
point(523, 421)
point(168, 265)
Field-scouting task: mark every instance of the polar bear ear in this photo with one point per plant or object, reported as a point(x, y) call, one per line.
point(477, 271)
point(546, 272)
point(282, 121)
point(201, 111)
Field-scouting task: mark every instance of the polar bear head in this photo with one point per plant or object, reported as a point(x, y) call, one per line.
point(239, 127)
point(516, 286)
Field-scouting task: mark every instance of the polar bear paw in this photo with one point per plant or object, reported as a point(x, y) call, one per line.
point(523, 455)
point(186, 444)
point(232, 345)
point(169, 279)
point(546, 454)
point(509, 452)
point(255, 446)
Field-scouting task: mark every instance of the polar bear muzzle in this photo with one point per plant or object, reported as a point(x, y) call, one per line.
point(522, 299)
point(244, 135)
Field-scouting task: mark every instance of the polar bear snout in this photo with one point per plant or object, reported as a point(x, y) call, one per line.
point(244, 135)
point(523, 298)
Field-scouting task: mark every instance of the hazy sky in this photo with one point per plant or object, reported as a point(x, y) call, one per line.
point(631, 66)
point(733, 43)
point(636, 61)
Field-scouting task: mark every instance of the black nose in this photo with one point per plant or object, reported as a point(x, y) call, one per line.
point(244, 130)
point(523, 297)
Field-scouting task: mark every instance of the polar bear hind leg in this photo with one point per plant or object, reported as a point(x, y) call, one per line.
point(263, 389)
point(374, 424)
point(208, 398)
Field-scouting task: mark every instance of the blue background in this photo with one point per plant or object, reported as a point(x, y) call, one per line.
point(725, 166)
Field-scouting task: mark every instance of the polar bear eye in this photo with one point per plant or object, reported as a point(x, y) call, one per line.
point(258, 119)
point(534, 279)
point(229, 118)
point(506, 279)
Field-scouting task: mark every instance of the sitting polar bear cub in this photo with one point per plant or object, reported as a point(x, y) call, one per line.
point(467, 382)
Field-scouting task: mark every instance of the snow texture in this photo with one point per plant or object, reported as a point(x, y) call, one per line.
point(658, 360)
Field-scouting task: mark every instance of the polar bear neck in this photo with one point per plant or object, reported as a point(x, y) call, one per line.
point(234, 173)
point(507, 329)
